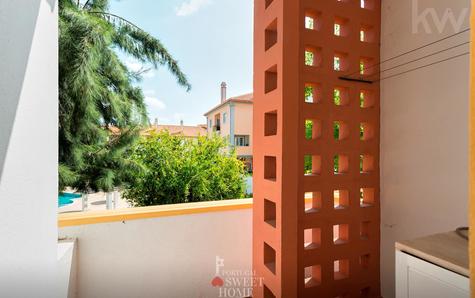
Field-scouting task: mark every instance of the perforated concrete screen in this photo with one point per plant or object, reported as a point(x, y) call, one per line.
point(316, 198)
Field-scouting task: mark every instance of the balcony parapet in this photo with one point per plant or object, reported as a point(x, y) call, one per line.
point(127, 214)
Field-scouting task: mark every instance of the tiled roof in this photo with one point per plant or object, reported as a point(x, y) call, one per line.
point(186, 131)
point(245, 98)
point(249, 96)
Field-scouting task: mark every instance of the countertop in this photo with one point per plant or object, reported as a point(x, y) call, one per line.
point(447, 250)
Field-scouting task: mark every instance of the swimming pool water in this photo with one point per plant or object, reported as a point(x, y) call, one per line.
point(65, 198)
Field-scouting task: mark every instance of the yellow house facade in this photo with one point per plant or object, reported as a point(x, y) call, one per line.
point(232, 119)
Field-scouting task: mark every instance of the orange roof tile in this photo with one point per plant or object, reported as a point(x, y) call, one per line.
point(245, 98)
point(182, 130)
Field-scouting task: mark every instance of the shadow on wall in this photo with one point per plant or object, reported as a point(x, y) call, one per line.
point(52, 4)
point(15, 52)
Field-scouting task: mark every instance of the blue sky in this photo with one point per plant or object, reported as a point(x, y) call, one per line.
point(211, 39)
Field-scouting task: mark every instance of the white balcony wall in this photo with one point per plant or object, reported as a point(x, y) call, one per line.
point(424, 125)
point(28, 148)
point(67, 268)
point(161, 257)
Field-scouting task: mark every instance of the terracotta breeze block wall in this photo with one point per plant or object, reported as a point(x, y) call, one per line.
point(316, 180)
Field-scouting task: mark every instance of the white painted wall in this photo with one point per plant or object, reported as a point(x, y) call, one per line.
point(424, 130)
point(161, 257)
point(28, 148)
point(67, 268)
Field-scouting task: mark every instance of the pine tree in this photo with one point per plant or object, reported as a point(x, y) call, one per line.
point(101, 109)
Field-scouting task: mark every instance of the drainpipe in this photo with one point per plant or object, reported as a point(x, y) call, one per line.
point(231, 124)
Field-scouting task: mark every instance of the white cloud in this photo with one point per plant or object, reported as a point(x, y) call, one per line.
point(155, 103)
point(139, 67)
point(148, 74)
point(149, 92)
point(189, 7)
point(133, 65)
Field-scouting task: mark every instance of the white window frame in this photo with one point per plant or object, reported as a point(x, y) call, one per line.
point(246, 142)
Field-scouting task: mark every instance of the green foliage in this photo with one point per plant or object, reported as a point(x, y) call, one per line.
point(309, 23)
point(181, 170)
point(337, 63)
point(308, 129)
point(336, 163)
point(308, 164)
point(308, 136)
point(309, 90)
point(337, 30)
point(336, 130)
point(309, 58)
point(336, 97)
point(97, 92)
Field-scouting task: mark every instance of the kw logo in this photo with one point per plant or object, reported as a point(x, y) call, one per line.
point(439, 22)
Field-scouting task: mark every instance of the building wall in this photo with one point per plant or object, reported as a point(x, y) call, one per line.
point(242, 123)
point(28, 148)
point(162, 257)
point(243, 126)
point(424, 130)
point(225, 127)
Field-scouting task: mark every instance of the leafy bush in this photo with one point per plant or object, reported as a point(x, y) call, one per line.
point(181, 170)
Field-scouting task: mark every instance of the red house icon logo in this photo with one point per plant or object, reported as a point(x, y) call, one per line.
point(217, 282)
